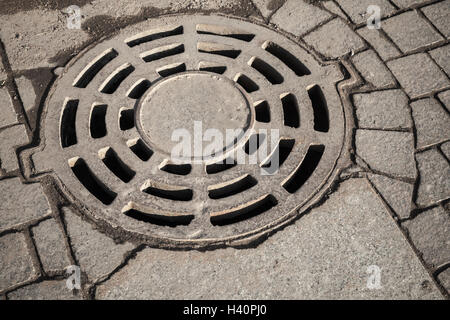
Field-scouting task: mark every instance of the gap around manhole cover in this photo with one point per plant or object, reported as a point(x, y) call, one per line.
point(108, 120)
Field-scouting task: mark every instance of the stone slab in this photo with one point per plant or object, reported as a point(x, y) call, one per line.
point(50, 245)
point(398, 194)
point(432, 122)
point(97, 253)
point(390, 152)
point(418, 74)
point(385, 49)
point(442, 57)
point(8, 115)
point(373, 69)
point(299, 17)
point(16, 265)
point(439, 14)
point(325, 254)
point(410, 31)
point(429, 232)
point(334, 39)
point(33, 202)
point(387, 109)
point(434, 178)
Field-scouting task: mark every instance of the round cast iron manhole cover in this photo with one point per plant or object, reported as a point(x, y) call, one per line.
point(110, 118)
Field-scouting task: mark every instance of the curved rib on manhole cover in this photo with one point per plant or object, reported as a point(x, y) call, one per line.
point(109, 120)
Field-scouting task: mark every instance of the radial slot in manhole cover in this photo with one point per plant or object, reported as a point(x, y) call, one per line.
point(110, 118)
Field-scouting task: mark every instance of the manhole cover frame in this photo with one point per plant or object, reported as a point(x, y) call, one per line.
point(197, 241)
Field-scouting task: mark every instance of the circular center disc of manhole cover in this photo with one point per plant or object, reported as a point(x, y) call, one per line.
point(111, 118)
point(183, 107)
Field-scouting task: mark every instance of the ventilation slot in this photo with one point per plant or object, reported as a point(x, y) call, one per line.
point(115, 79)
point(138, 89)
point(211, 67)
point(253, 143)
point(244, 212)
point(232, 187)
point(140, 149)
point(290, 110)
point(93, 68)
point(248, 84)
point(170, 192)
point(272, 75)
point(115, 165)
point(224, 32)
point(321, 118)
point(279, 155)
point(156, 217)
point(171, 69)
point(154, 34)
point(98, 121)
point(305, 169)
point(90, 181)
point(126, 119)
point(219, 49)
point(288, 59)
point(262, 111)
point(178, 169)
point(162, 52)
point(220, 166)
point(67, 127)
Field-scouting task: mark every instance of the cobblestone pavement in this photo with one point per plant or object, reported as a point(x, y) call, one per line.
point(390, 208)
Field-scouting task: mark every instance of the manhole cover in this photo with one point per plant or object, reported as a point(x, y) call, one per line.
point(109, 121)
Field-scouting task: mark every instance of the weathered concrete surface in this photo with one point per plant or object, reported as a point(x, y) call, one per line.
point(16, 265)
point(33, 202)
point(323, 255)
point(97, 253)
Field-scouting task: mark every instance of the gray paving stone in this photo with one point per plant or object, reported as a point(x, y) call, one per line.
point(334, 39)
point(390, 152)
point(334, 8)
point(383, 47)
point(418, 74)
point(46, 290)
point(50, 245)
point(16, 265)
point(398, 194)
point(267, 7)
point(387, 109)
point(442, 57)
point(357, 10)
point(373, 70)
point(408, 3)
point(432, 122)
point(325, 254)
point(445, 147)
point(444, 279)
point(434, 178)
point(33, 203)
point(97, 253)
point(444, 97)
point(26, 91)
point(7, 115)
point(11, 138)
point(429, 232)
point(410, 32)
point(298, 17)
point(439, 15)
